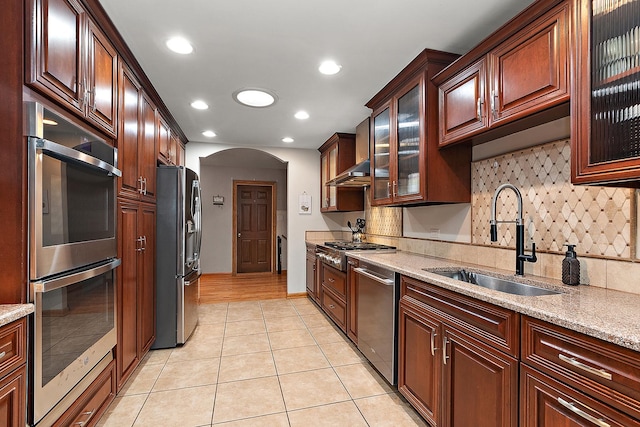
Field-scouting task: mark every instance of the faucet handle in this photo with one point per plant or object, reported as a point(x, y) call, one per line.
point(532, 257)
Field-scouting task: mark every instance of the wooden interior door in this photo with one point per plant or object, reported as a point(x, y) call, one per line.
point(254, 228)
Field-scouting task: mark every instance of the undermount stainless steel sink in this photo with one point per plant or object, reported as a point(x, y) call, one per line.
point(495, 283)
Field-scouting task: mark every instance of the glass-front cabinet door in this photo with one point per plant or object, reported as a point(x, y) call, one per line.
point(324, 177)
point(606, 110)
point(333, 171)
point(381, 156)
point(408, 143)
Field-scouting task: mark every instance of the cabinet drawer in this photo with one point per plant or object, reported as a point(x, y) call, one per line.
point(93, 402)
point(13, 342)
point(602, 370)
point(335, 308)
point(545, 401)
point(336, 280)
point(496, 326)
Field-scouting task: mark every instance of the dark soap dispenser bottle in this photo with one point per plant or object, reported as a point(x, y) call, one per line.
point(571, 267)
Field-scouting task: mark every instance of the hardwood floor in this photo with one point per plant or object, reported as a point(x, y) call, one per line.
point(224, 287)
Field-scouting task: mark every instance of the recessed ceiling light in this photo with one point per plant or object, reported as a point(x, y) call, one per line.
point(180, 45)
point(329, 68)
point(301, 115)
point(287, 139)
point(199, 105)
point(209, 133)
point(255, 97)
point(49, 122)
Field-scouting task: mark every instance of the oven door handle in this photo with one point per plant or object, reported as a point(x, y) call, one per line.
point(69, 154)
point(42, 286)
point(373, 276)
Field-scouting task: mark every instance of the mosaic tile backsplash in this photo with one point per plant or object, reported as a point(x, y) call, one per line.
point(382, 221)
point(597, 219)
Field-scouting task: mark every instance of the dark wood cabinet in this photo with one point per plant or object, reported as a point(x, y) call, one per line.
point(600, 370)
point(89, 407)
point(420, 367)
point(524, 70)
point(136, 140)
point(547, 402)
point(462, 104)
point(13, 375)
point(352, 299)
point(80, 69)
point(13, 398)
point(458, 357)
point(605, 104)
point(337, 154)
point(135, 285)
point(168, 143)
point(312, 273)
point(333, 298)
point(407, 166)
point(480, 383)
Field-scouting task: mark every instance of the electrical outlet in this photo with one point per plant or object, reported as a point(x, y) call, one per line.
point(434, 233)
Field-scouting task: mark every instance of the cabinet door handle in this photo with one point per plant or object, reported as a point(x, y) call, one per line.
point(140, 180)
point(144, 189)
point(494, 104)
point(479, 109)
point(444, 350)
point(595, 371)
point(573, 408)
point(140, 243)
point(331, 280)
point(433, 343)
point(395, 188)
point(331, 306)
point(388, 188)
point(3, 354)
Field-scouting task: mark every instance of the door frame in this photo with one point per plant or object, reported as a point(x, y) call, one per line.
point(234, 228)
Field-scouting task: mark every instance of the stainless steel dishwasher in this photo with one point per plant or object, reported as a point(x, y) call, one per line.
point(378, 295)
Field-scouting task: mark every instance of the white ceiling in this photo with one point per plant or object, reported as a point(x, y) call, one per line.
point(278, 45)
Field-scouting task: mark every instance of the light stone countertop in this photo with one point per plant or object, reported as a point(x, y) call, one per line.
point(12, 312)
point(609, 315)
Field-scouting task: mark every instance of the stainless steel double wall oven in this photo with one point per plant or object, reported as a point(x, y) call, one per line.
point(73, 256)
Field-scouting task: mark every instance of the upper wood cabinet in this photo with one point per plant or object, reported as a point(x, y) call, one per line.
point(136, 140)
point(525, 73)
point(605, 107)
point(337, 154)
point(168, 143)
point(71, 60)
point(406, 165)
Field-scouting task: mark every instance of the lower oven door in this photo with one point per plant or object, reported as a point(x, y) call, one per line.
point(74, 331)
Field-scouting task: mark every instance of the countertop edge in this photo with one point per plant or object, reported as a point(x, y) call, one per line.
point(12, 312)
point(583, 308)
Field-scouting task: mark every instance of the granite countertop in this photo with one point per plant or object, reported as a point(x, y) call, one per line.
point(11, 312)
point(605, 314)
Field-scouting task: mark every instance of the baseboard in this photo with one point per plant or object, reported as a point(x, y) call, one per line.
point(297, 295)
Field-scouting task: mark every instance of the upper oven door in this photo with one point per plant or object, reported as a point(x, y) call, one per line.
point(71, 198)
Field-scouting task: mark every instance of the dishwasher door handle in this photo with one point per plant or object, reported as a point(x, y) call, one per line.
point(373, 276)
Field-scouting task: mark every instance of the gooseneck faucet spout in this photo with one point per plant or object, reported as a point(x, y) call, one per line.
point(520, 255)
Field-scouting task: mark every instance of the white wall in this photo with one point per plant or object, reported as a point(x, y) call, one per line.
point(303, 175)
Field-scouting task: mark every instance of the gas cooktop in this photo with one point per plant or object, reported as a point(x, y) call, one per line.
point(357, 246)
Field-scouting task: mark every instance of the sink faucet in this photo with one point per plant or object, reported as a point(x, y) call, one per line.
point(520, 255)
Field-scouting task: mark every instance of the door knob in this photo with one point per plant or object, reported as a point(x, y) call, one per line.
point(239, 234)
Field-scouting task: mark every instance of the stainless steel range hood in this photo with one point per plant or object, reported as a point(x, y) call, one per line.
point(358, 175)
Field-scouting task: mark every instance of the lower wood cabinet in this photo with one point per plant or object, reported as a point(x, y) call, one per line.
point(87, 410)
point(545, 402)
point(135, 285)
point(573, 376)
point(13, 375)
point(333, 297)
point(13, 397)
point(452, 377)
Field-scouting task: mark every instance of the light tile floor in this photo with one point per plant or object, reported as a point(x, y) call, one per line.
point(259, 363)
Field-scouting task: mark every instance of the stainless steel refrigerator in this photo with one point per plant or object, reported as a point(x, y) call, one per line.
point(178, 242)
